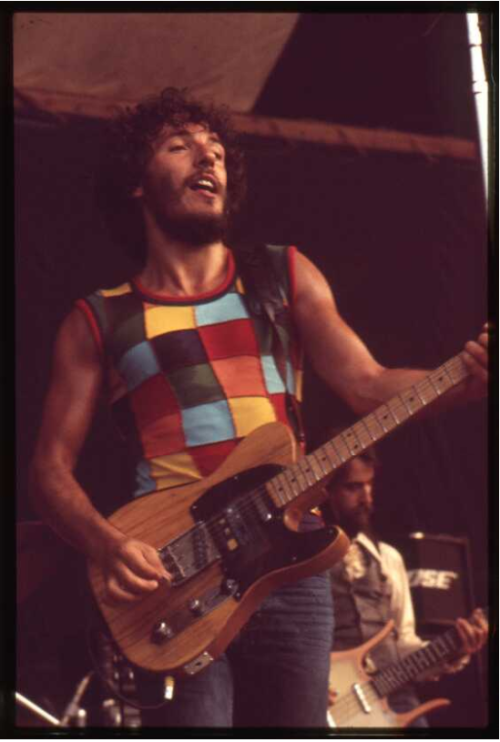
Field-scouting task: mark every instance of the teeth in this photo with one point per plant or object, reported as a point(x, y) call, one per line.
point(205, 184)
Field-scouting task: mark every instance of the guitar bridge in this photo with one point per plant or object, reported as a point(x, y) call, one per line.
point(360, 695)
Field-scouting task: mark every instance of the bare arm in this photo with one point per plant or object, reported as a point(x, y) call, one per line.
point(131, 566)
point(341, 358)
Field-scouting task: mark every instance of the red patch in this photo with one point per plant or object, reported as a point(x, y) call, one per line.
point(209, 458)
point(229, 339)
point(152, 400)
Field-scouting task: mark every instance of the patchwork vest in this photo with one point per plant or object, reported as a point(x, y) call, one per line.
point(188, 377)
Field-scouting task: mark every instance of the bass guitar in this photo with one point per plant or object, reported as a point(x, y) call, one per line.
point(361, 698)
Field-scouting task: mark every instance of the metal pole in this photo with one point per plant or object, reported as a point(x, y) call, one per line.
point(23, 701)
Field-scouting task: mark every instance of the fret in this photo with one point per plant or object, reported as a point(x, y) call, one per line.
point(277, 492)
point(302, 479)
point(316, 466)
point(363, 434)
point(368, 433)
point(438, 381)
point(326, 458)
point(330, 446)
point(369, 421)
point(457, 369)
point(395, 406)
point(418, 393)
point(286, 490)
point(413, 666)
point(444, 366)
point(411, 401)
point(383, 417)
point(441, 649)
point(298, 479)
point(341, 449)
point(288, 486)
point(307, 471)
point(341, 458)
point(450, 641)
point(356, 433)
point(433, 653)
point(351, 440)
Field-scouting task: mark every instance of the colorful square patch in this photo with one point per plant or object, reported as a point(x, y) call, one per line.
point(250, 413)
point(175, 470)
point(240, 377)
point(225, 309)
point(164, 436)
point(196, 385)
point(159, 319)
point(138, 364)
point(208, 423)
point(229, 340)
point(177, 350)
point(153, 399)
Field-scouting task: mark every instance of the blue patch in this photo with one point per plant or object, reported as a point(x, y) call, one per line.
point(290, 378)
point(138, 364)
point(208, 423)
point(144, 482)
point(227, 308)
point(274, 382)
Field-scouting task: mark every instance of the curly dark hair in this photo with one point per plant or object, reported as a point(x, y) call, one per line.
point(128, 144)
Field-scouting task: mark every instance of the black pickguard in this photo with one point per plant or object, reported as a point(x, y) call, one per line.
point(249, 531)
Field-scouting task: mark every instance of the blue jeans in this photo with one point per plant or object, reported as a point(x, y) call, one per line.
point(274, 673)
point(407, 700)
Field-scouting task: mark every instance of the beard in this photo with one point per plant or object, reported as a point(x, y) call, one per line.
point(356, 521)
point(194, 229)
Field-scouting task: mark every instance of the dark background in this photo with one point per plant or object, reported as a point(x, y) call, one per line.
point(401, 238)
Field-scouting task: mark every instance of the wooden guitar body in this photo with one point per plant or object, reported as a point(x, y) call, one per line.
point(227, 545)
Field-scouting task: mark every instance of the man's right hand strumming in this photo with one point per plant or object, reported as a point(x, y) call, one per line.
point(132, 569)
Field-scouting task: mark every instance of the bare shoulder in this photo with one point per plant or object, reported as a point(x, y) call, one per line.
point(311, 283)
point(75, 341)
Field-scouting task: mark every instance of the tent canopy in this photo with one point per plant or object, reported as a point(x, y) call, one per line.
point(354, 80)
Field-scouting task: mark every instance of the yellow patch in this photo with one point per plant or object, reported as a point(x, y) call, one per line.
point(250, 413)
point(239, 286)
point(124, 288)
point(159, 320)
point(173, 470)
point(299, 379)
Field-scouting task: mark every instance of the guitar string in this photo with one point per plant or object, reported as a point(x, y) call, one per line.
point(246, 505)
point(343, 709)
point(348, 706)
point(247, 500)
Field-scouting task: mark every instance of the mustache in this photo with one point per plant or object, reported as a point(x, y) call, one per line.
point(363, 510)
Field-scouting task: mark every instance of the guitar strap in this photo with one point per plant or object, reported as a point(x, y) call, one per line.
point(265, 295)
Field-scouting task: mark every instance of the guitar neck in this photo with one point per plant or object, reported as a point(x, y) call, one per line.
point(424, 660)
point(318, 467)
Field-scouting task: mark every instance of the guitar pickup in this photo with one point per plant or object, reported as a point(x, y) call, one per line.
point(172, 564)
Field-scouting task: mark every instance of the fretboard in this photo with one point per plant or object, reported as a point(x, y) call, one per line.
point(416, 664)
point(318, 466)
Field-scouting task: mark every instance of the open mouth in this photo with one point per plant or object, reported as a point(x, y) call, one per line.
point(204, 184)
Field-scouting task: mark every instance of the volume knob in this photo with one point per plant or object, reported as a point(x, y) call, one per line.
point(162, 632)
point(196, 607)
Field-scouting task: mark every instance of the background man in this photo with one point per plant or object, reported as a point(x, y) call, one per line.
point(370, 584)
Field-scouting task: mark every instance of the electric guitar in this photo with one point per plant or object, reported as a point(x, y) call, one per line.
point(361, 697)
point(231, 538)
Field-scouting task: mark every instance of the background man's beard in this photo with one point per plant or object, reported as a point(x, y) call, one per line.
point(356, 522)
point(195, 230)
